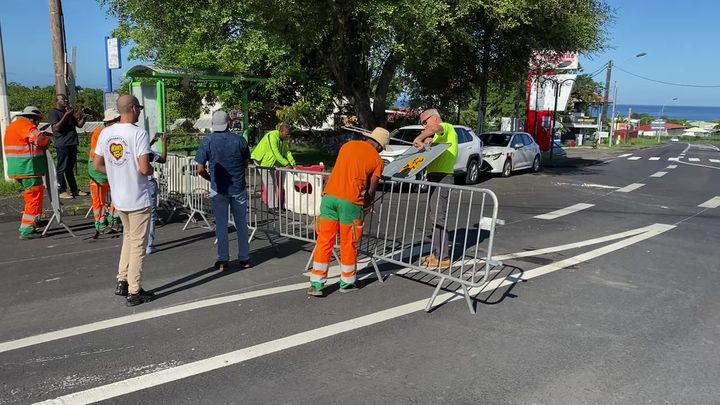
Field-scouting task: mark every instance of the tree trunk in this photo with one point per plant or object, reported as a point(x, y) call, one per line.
point(484, 77)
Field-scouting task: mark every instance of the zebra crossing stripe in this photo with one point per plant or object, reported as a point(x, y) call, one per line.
point(625, 155)
point(654, 158)
point(634, 158)
point(694, 159)
point(715, 160)
point(630, 187)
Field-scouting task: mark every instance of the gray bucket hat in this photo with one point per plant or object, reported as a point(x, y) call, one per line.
point(31, 110)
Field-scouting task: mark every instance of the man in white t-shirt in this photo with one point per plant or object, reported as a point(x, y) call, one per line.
point(123, 152)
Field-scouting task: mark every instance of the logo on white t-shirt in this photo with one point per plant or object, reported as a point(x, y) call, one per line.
point(118, 150)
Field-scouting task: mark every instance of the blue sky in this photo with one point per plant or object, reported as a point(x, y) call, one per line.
point(680, 39)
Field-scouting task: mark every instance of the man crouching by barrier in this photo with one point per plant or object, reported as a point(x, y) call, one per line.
point(349, 192)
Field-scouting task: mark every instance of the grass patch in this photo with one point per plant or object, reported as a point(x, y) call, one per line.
point(313, 156)
point(9, 187)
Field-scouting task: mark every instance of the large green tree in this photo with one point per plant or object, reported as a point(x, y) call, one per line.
point(362, 50)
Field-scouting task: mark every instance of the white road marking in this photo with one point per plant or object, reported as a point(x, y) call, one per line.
point(631, 187)
point(711, 203)
point(654, 158)
point(675, 159)
point(156, 378)
point(565, 211)
point(78, 253)
point(625, 155)
point(590, 185)
point(575, 245)
point(634, 158)
point(658, 174)
point(124, 320)
point(694, 160)
point(671, 167)
point(714, 160)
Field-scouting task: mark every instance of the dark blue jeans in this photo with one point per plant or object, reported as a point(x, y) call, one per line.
point(66, 160)
point(222, 206)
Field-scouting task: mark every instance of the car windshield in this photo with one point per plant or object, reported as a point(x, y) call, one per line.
point(406, 134)
point(496, 139)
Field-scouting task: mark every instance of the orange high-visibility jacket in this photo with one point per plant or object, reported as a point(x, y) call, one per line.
point(24, 147)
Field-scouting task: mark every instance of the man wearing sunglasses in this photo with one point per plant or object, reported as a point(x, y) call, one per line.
point(123, 152)
point(439, 170)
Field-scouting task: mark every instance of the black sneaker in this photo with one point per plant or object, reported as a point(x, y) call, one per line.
point(222, 265)
point(139, 298)
point(121, 288)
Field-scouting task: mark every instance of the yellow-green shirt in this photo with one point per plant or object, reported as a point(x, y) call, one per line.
point(272, 151)
point(445, 163)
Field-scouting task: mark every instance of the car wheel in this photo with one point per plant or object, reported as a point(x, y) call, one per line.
point(536, 164)
point(473, 172)
point(507, 168)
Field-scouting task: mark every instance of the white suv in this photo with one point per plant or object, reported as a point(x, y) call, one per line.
point(469, 149)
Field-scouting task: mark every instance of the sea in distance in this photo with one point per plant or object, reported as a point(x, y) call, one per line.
point(690, 113)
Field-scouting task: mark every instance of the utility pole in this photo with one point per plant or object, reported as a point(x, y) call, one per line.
point(603, 115)
point(4, 104)
point(612, 117)
point(57, 31)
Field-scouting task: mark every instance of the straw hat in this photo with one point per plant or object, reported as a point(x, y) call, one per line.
point(31, 110)
point(381, 136)
point(111, 114)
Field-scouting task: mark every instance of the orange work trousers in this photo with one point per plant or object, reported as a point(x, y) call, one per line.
point(33, 189)
point(336, 215)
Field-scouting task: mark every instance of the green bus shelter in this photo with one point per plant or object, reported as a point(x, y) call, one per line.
point(148, 84)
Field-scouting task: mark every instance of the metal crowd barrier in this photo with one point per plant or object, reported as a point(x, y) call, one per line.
point(399, 228)
point(405, 219)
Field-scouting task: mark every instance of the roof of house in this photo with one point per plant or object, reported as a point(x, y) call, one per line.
point(648, 127)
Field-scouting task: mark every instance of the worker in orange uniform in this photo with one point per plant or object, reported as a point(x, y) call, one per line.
point(24, 147)
point(350, 190)
point(99, 186)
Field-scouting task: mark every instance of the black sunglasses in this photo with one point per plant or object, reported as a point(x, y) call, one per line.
point(423, 122)
point(139, 107)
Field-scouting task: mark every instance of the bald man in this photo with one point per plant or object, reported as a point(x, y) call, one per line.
point(123, 152)
point(439, 170)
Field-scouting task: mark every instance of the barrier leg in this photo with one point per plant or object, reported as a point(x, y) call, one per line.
point(377, 270)
point(428, 307)
point(468, 299)
point(309, 260)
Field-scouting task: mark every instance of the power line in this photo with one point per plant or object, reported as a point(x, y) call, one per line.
point(597, 72)
point(668, 83)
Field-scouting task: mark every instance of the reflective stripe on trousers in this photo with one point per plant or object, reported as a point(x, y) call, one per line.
point(33, 198)
point(327, 230)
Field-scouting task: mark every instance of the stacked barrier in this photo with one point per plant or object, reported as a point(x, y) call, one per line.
point(398, 228)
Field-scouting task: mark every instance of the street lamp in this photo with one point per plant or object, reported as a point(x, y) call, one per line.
point(662, 111)
point(558, 85)
point(663, 106)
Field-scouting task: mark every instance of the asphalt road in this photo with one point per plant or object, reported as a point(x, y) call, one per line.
point(621, 306)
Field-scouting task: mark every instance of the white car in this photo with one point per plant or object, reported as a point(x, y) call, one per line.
point(505, 152)
point(674, 139)
point(469, 149)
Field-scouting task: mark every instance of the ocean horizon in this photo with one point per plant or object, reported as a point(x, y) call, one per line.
point(690, 113)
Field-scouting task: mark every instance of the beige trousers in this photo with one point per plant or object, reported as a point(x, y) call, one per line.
point(135, 237)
